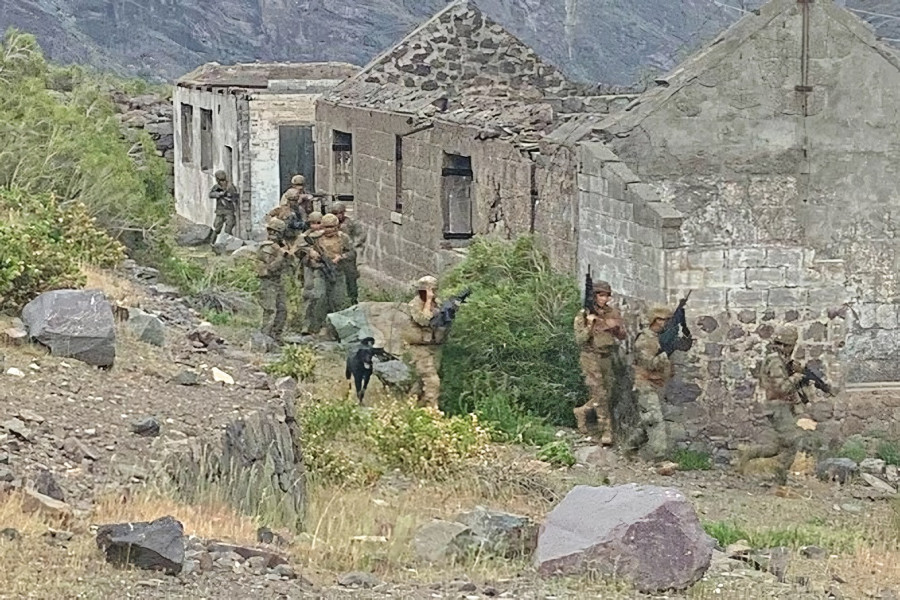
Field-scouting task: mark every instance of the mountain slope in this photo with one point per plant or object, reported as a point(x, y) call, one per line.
point(608, 41)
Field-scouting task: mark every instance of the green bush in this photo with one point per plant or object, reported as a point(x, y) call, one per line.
point(298, 362)
point(512, 342)
point(854, 449)
point(692, 460)
point(44, 245)
point(889, 453)
point(557, 453)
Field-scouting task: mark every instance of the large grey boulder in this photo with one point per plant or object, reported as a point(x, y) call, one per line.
point(194, 234)
point(440, 541)
point(500, 533)
point(226, 244)
point(383, 321)
point(156, 545)
point(649, 536)
point(146, 327)
point(76, 324)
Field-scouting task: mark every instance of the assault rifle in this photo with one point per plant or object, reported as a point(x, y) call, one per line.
point(589, 304)
point(669, 338)
point(359, 364)
point(810, 376)
point(328, 267)
point(447, 312)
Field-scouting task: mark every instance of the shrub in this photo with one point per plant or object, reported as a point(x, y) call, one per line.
point(692, 460)
point(298, 362)
point(512, 341)
point(889, 453)
point(44, 244)
point(557, 453)
point(854, 449)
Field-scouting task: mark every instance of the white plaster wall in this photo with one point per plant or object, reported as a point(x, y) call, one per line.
point(191, 183)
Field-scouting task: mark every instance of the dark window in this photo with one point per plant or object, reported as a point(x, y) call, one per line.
point(187, 133)
point(398, 175)
point(342, 167)
point(296, 155)
point(456, 192)
point(206, 139)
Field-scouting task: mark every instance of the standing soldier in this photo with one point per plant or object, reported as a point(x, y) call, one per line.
point(358, 236)
point(272, 263)
point(294, 216)
point(597, 333)
point(226, 197)
point(324, 251)
point(298, 183)
point(423, 341)
point(652, 371)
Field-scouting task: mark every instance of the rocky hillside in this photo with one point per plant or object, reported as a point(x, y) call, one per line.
point(609, 41)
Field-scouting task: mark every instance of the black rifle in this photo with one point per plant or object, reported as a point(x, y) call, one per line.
point(589, 304)
point(810, 376)
point(359, 364)
point(669, 339)
point(447, 312)
point(328, 267)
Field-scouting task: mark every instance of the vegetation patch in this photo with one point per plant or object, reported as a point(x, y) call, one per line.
point(692, 460)
point(295, 361)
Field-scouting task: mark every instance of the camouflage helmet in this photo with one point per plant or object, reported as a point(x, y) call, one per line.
point(426, 283)
point(663, 313)
point(786, 335)
point(221, 176)
point(314, 217)
point(298, 180)
point(330, 220)
point(338, 208)
point(602, 287)
point(276, 224)
point(292, 195)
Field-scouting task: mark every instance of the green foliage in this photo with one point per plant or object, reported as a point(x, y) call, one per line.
point(557, 453)
point(692, 460)
point(59, 134)
point(813, 533)
point(298, 362)
point(44, 244)
point(512, 344)
point(508, 423)
point(854, 449)
point(889, 453)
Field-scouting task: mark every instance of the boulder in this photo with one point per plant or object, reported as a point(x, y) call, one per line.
point(148, 427)
point(227, 244)
point(499, 533)
point(878, 484)
point(269, 559)
point(33, 501)
point(46, 485)
point(647, 535)
point(842, 470)
point(247, 252)
point(156, 545)
point(75, 324)
point(383, 321)
point(146, 327)
point(440, 541)
point(358, 579)
point(394, 374)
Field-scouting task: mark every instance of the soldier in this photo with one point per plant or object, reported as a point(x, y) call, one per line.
point(298, 183)
point(423, 341)
point(272, 261)
point(597, 334)
point(293, 215)
point(326, 289)
point(226, 197)
point(358, 235)
point(652, 371)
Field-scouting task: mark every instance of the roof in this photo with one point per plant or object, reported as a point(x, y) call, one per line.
point(258, 75)
point(463, 67)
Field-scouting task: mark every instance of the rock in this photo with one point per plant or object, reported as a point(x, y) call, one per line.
point(186, 377)
point(813, 552)
point(166, 291)
point(36, 502)
point(853, 509)
point(132, 472)
point(46, 484)
point(148, 427)
point(892, 474)
point(78, 451)
point(667, 469)
point(14, 372)
point(596, 456)
point(841, 470)
point(648, 535)
point(14, 335)
point(193, 235)
point(206, 337)
point(146, 327)
point(156, 545)
point(260, 342)
point(439, 541)
point(358, 580)
point(226, 244)
point(247, 252)
point(75, 324)
point(222, 377)
point(807, 424)
point(499, 533)
point(875, 466)
point(771, 560)
point(4, 458)
point(271, 559)
point(18, 429)
point(285, 571)
point(394, 374)
point(9, 534)
point(29, 416)
point(878, 484)
point(380, 320)
point(6, 475)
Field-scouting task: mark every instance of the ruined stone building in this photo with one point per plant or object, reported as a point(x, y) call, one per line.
point(444, 137)
point(255, 122)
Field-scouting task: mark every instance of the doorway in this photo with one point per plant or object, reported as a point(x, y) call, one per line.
point(296, 155)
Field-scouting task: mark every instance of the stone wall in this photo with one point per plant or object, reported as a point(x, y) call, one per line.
point(404, 246)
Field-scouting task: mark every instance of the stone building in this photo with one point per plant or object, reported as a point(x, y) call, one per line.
point(254, 121)
point(458, 130)
point(761, 174)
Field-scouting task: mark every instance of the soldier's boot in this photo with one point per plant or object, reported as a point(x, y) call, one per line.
point(581, 418)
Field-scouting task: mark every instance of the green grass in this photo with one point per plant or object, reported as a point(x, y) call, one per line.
point(557, 453)
point(854, 449)
point(889, 453)
point(692, 460)
point(812, 533)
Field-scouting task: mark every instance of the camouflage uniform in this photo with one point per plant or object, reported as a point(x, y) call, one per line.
point(422, 343)
point(358, 235)
point(598, 347)
point(271, 265)
point(324, 294)
point(226, 197)
point(298, 184)
point(652, 371)
point(293, 215)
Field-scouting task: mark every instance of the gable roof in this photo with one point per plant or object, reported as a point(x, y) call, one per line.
point(462, 66)
point(726, 44)
point(258, 75)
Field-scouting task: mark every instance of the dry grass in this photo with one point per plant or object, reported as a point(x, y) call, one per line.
point(118, 289)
